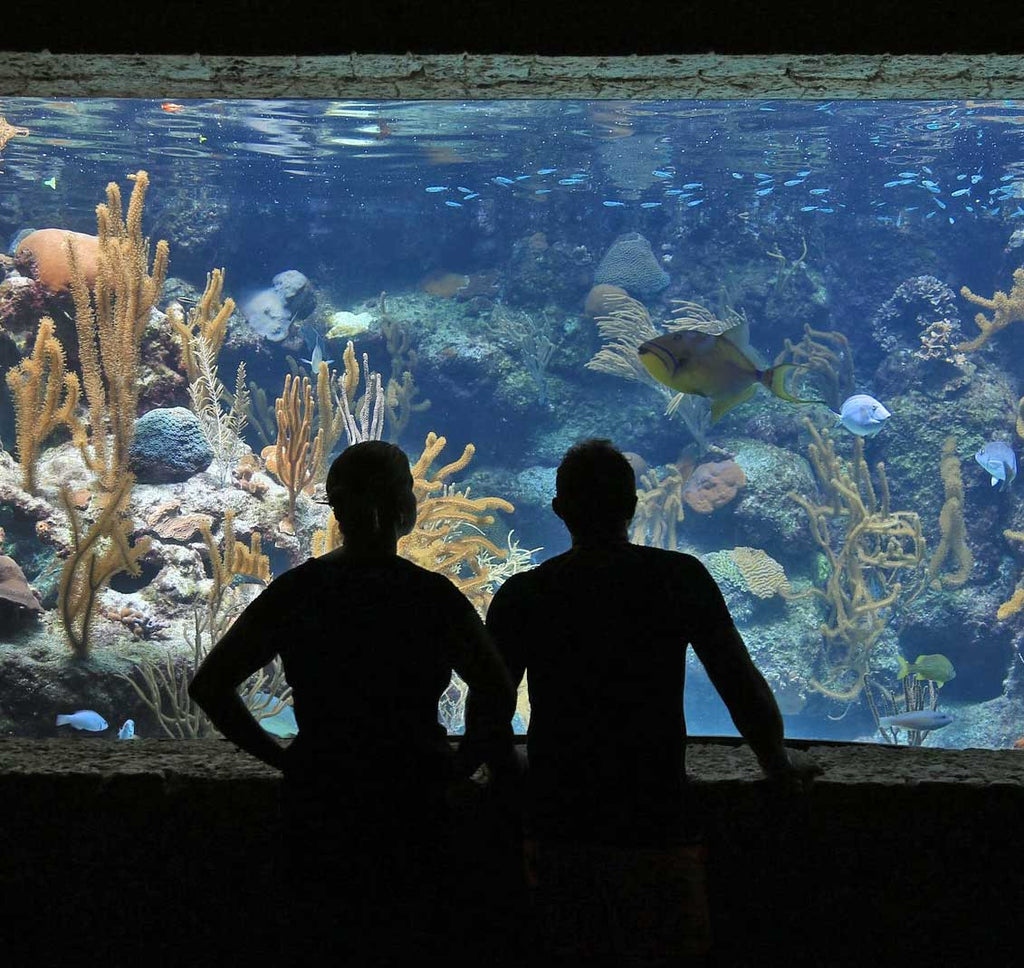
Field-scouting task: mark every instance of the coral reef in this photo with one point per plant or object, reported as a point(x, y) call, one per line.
point(763, 575)
point(295, 457)
point(110, 322)
point(38, 384)
point(53, 266)
point(713, 485)
point(951, 524)
point(631, 264)
point(1005, 307)
point(97, 555)
point(867, 546)
point(169, 444)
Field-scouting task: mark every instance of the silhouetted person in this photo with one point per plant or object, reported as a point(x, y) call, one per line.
point(601, 632)
point(368, 641)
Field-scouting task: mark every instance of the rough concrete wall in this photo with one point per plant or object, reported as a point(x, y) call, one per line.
point(147, 852)
point(455, 76)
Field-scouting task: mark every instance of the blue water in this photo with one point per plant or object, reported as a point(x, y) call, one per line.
point(485, 223)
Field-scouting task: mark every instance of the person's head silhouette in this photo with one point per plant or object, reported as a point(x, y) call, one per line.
point(595, 491)
point(369, 488)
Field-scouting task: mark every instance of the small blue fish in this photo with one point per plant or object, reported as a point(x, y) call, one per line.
point(999, 460)
point(939, 202)
point(960, 177)
point(909, 174)
point(452, 204)
point(436, 188)
point(690, 185)
point(570, 181)
point(762, 175)
point(763, 191)
point(862, 415)
point(470, 196)
point(792, 182)
point(127, 730)
point(802, 174)
point(674, 191)
point(696, 201)
point(465, 191)
point(951, 220)
point(546, 171)
point(658, 173)
point(975, 179)
point(85, 719)
point(926, 169)
point(931, 186)
point(542, 191)
point(611, 204)
point(827, 211)
point(921, 719)
point(522, 177)
point(819, 191)
point(736, 174)
point(809, 208)
point(650, 204)
point(502, 180)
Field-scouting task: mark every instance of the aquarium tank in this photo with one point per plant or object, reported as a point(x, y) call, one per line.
point(803, 322)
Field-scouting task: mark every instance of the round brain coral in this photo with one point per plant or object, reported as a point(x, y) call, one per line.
point(713, 485)
point(47, 247)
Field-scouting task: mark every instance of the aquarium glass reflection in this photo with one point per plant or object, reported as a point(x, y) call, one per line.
point(802, 321)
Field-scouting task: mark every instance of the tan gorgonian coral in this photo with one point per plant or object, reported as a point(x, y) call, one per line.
point(110, 324)
point(96, 556)
point(951, 524)
point(37, 385)
point(448, 535)
point(660, 507)
point(1005, 307)
point(208, 319)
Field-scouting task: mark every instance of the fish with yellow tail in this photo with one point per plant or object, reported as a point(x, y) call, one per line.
point(717, 367)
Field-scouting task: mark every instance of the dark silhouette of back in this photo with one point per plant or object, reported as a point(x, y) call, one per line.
point(368, 641)
point(601, 633)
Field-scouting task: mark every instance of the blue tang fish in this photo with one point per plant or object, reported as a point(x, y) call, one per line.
point(921, 719)
point(998, 459)
point(862, 415)
point(83, 719)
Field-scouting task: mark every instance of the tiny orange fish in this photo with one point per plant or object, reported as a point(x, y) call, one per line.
point(171, 108)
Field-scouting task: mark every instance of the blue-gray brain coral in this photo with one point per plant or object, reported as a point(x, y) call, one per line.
point(169, 447)
point(631, 264)
point(270, 312)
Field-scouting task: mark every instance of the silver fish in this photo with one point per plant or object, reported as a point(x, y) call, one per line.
point(862, 415)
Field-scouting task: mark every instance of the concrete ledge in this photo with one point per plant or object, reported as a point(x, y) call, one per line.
point(459, 76)
point(153, 849)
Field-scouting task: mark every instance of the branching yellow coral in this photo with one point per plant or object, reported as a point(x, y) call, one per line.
point(97, 555)
point(659, 508)
point(1006, 308)
point(448, 537)
point(1015, 603)
point(209, 319)
point(110, 325)
point(294, 458)
point(951, 523)
point(867, 546)
point(37, 384)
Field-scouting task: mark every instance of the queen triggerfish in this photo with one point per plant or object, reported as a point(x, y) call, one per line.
point(716, 367)
point(998, 458)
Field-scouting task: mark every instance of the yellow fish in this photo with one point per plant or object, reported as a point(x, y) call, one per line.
point(202, 138)
point(715, 367)
point(51, 183)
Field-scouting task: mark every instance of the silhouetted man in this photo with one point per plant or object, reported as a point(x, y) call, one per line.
point(602, 631)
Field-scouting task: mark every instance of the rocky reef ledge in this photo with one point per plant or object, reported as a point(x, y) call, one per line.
point(165, 851)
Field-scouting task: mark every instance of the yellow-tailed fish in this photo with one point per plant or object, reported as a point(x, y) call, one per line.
point(716, 367)
point(51, 183)
point(935, 667)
